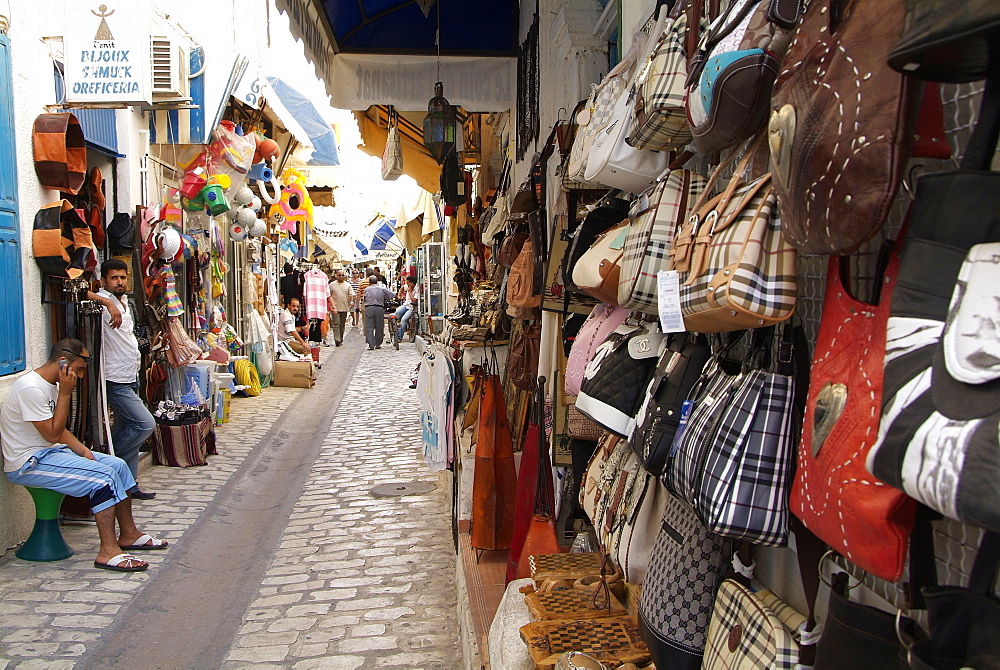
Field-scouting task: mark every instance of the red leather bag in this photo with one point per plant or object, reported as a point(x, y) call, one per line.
point(859, 516)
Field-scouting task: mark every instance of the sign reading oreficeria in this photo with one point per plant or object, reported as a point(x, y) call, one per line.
point(106, 50)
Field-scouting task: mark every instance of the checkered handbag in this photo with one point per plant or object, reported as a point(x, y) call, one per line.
point(736, 269)
point(656, 218)
point(746, 632)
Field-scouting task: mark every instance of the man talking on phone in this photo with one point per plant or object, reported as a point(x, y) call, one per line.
point(133, 423)
point(39, 451)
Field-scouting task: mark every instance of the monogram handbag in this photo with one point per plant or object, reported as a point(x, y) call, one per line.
point(686, 566)
point(579, 425)
point(614, 380)
point(733, 460)
point(658, 214)
point(841, 125)
point(731, 76)
point(941, 406)
point(677, 370)
point(598, 271)
point(736, 268)
point(834, 496)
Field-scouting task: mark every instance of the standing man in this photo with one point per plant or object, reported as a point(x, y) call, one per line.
point(288, 332)
point(39, 451)
point(362, 285)
point(120, 359)
point(376, 297)
point(355, 310)
point(341, 294)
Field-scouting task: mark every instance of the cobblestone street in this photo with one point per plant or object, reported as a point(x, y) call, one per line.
point(281, 557)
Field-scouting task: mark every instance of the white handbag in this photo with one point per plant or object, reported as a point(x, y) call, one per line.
point(596, 273)
point(392, 155)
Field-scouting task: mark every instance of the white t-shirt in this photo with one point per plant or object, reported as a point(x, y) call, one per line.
point(286, 326)
point(30, 398)
point(119, 348)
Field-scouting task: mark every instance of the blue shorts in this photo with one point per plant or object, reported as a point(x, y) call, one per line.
point(105, 481)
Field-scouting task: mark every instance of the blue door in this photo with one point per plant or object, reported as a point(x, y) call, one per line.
point(11, 295)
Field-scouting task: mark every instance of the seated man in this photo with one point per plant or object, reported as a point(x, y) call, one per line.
point(39, 451)
point(288, 331)
point(408, 294)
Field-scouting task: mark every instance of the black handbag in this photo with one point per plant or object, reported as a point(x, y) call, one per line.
point(677, 370)
point(950, 41)
point(609, 212)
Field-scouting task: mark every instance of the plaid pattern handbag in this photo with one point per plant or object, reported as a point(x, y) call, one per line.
point(736, 269)
point(747, 632)
point(734, 459)
point(657, 216)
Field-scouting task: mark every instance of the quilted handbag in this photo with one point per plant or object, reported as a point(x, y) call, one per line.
point(731, 76)
point(736, 268)
point(686, 566)
point(657, 216)
point(941, 405)
point(600, 323)
point(733, 460)
point(841, 125)
point(751, 629)
point(834, 496)
point(659, 121)
point(598, 271)
point(677, 370)
point(615, 379)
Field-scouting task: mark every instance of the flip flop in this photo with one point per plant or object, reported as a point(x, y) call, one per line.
point(115, 564)
point(143, 544)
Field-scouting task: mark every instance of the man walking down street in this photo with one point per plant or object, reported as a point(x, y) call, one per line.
point(341, 294)
point(39, 451)
point(376, 297)
point(120, 359)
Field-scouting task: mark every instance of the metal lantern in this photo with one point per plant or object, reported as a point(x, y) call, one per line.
point(439, 125)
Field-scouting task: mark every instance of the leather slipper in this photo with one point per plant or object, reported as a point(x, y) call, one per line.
point(147, 543)
point(115, 564)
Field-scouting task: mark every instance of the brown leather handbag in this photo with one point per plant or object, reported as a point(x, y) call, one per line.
point(510, 249)
point(60, 152)
point(522, 364)
point(841, 126)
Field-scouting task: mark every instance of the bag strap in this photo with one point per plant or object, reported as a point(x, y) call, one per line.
point(987, 564)
point(543, 484)
point(983, 143)
point(734, 182)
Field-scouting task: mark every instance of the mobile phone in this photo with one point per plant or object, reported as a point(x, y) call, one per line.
point(63, 364)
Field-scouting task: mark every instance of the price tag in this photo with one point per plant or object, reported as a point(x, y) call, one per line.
point(669, 299)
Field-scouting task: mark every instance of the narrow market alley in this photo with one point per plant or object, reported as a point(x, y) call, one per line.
point(280, 555)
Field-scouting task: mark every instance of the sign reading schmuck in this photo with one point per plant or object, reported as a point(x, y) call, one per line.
point(106, 47)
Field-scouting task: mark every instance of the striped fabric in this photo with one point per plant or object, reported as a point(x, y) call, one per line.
point(171, 299)
point(316, 291)
point(651, 234)
point(184, 446)
point(746, 633)
point(737, 270)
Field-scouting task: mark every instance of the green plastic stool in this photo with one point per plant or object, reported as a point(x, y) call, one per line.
point(46, 542)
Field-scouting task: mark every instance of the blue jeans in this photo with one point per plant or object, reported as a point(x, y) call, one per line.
point(133, 423)
point(403, 313)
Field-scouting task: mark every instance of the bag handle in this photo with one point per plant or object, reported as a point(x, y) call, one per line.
point(543, 484)
point(734, 182)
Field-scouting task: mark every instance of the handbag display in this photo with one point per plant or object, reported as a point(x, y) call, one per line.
point(637, 523)
point(511, 248)
point(659, 121)
point(834, 496)
point(392, 155)
point(601, 480)
point(609, 212)
point(937, 440)
point(600, 323)
point(949, 41)
point(579, 425)
point(736, 268)
point(677, 370)
point(751, 629)
point(522, 362)
point(841, 125)
point(521, 290)
point(731, 76)
point(650, 236)
point(598, 271)
point(686, 567)
point(614, 380)
point(733, 460)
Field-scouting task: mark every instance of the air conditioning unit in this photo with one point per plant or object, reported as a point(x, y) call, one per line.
point(168, 68)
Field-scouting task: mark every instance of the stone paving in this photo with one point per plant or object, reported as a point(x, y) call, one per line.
point(356, 582)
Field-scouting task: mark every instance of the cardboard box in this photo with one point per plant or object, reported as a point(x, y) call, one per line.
point(296, 374)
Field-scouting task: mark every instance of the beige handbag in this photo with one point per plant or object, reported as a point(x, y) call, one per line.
point(598, 271)
point(638, 524)
point(602, 471)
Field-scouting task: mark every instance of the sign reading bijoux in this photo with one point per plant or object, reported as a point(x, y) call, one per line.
point(106, 47)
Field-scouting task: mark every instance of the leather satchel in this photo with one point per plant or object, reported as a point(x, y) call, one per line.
point(521, 290)
point(510, 249)
point(841, 125)
point(856, 514)
point(522, 364)
point(598, 271)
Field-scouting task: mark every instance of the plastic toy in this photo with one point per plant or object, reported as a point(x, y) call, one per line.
point(243, 196)
point(245, 217)
point(257, 228)
point(260, 172)
point(237, 232)
point(267, 149)
point(192, 185)
point(255, 204)
point(295, 204)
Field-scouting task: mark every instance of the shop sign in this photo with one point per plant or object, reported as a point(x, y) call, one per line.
point(107, 49)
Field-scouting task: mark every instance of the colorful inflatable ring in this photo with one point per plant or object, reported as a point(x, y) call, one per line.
point(267, 197)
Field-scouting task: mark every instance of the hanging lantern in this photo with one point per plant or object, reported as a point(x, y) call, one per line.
point(439, 125)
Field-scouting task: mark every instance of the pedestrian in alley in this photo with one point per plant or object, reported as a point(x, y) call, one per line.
point(120, 360)
point(376, 298)
point(288, 330)
point(39, 451)
point(355, 310)
point(362, 285)
point(341, 293)
point(408, 294)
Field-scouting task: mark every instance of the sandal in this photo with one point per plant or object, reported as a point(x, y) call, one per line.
point(115, 563)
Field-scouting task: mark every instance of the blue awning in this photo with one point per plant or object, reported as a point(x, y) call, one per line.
point(319, 131)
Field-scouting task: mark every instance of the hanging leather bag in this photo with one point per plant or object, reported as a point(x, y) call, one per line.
point(841, 125)
point(608, 212)
point(657, 216)
point(61, 241)
point(941, 407)
point(510, 249)
point(521, 290)
point(522, 363)
point(736, 268)
point(856, 514)
point(598, 271)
